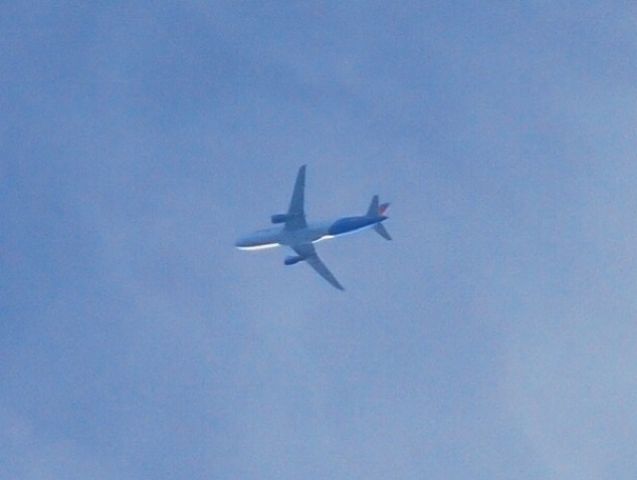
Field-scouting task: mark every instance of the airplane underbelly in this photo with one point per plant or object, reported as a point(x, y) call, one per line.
point(307, 235)
point(324, 237)
point(263, 246)
point(260, 240)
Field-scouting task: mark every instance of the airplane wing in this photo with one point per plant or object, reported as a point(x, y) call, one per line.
point(296, 212)
point(308, 252)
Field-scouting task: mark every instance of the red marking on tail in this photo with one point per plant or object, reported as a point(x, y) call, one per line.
point(383, 208)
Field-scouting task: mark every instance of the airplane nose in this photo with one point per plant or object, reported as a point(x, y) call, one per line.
point(240, 242)
point(244, 242)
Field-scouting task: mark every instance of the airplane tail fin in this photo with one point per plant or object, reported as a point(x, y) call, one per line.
point(378, 210)
point(372, 211)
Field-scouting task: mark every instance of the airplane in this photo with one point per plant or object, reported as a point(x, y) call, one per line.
point(300, 236)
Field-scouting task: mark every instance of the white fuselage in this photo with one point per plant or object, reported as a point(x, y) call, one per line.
point(279, 235)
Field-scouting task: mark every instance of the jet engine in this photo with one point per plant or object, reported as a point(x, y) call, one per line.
point(293, 260)
point(279, 218)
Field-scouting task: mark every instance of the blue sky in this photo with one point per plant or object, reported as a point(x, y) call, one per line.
point(493, 338)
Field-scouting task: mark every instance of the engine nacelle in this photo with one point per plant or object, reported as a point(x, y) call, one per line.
point(279, 218)
point(293, 260)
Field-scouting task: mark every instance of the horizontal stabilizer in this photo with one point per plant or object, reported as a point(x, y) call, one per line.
point(382, 231)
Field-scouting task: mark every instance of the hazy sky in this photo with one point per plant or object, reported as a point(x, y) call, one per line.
point(494, 338)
